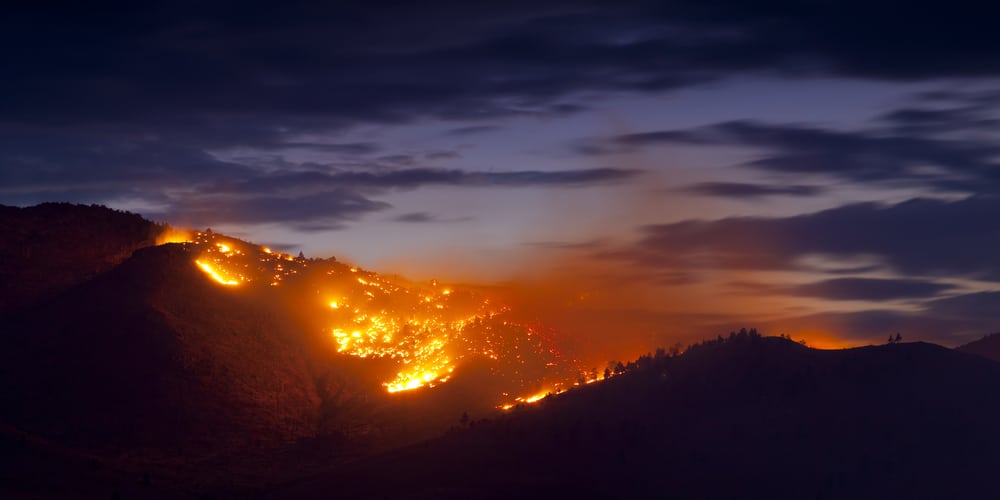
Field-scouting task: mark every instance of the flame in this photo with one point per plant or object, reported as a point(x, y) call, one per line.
point(173, 235)
point(428, 332)
point(534, 398)
point(215, 274)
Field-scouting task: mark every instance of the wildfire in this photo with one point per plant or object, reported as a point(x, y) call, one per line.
point(428, 331)
point(209, 270)
point(534, 398)
point(173, 235)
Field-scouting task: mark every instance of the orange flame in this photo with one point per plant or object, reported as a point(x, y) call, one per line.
point(209, 270)
point(173, 235)
point(427, 332)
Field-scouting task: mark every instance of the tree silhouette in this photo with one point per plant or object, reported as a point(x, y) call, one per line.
point(675, 350)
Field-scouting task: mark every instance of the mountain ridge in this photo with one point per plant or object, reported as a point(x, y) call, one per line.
point(145, 375)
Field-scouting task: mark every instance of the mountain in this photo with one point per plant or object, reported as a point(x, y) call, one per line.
point(987, 347)
point(745, 418)
point(210, 366)
point(207, 363)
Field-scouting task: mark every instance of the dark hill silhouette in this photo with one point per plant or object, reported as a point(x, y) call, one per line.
point(750, 418)
point(157, 358)
point(49, 247)
point(987, 347)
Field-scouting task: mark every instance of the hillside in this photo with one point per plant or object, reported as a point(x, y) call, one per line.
point(750, 418)
point(47, 248)
point(206, 364)
point(149, 355)
point(151, 368)
point(987, 347)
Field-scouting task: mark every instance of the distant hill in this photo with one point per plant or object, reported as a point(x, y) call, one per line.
point(987, 347)
point(750, 418)
point(46, 248)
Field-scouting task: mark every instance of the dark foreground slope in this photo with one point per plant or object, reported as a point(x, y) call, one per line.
point(750, 418)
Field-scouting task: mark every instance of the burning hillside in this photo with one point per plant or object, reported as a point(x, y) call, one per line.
point(426, 332)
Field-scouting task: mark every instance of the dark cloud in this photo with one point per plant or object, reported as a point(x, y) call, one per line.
point(350, 148)
point(916, 120)
point(424, 217)
point(576, 177)
point(359, 61)
point(40, 160)
point(920, 237)
point(416, 177)
point(416, 217)
point(133, 94)
point(750, 191)
point(317, 227)
point(474, 129)
point(398, 160)
point(442, 155)
point(959, 97)
point(342, 196)
point(917, 156)
point(981, 306)
point(568, 245)
point(314, 212)
point(870, 289)
point(309, 196)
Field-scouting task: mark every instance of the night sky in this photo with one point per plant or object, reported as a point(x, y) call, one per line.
point(825, 169)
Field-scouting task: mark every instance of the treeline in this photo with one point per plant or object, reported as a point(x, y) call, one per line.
point(652, 359)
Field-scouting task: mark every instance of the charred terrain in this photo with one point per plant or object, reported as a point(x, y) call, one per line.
point(137, 367)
